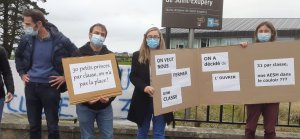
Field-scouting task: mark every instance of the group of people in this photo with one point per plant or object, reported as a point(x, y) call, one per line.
point(39, 64)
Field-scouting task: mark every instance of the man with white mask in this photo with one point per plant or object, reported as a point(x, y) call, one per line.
point(39, 64)
point(99, 109)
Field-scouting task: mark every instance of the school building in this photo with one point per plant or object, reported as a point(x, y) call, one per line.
point(234, 31)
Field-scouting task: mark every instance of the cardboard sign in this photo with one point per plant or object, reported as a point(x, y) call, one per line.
point(261, 73)
point(201, 14)
point(90, 77)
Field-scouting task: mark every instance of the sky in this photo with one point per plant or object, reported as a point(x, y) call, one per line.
point(127, 20)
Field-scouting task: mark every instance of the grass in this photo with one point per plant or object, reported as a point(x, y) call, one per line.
point(124, 62)
point(239, 116)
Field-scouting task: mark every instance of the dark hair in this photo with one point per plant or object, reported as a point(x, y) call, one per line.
point(36, 15)
point(270, 26)
point(98, 25)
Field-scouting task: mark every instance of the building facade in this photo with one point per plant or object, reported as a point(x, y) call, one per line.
point(234, 31)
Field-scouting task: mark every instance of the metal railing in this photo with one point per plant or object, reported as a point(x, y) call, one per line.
point(235, 115)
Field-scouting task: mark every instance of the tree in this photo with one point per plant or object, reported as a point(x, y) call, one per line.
point(11, 21)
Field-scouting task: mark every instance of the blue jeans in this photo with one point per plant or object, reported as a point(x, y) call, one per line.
point(41, 96)
point(1, 107)
point(159, 125)
point(87, 117)
point(1, 110)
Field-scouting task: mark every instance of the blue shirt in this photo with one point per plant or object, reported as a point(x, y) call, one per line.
point(42, 66)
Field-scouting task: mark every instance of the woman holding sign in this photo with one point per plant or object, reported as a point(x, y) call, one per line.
point(141, 107)
point(265, 32)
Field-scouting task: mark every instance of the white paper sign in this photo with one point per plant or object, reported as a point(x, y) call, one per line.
point(226, 82)
point(171, 96)
point(92, 76)
point(164, 64)
point(274, 72)
point(181, 77)
point(215, 62)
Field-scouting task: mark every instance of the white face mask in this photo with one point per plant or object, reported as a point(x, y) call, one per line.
point(30, 31)
point(97, 40)
point(264, 37)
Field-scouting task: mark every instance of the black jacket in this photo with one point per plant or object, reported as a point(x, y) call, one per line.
point(5, 73)
point(140, 78)
point(86, 50)
point(63, 47)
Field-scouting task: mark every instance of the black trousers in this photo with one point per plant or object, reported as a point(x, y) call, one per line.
point(41, 96)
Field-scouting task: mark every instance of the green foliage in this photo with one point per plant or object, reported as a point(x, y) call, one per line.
point(124, 60)
point(11, 21)
point(124, 63)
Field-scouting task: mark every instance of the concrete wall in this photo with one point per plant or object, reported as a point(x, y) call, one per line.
point(71, 131)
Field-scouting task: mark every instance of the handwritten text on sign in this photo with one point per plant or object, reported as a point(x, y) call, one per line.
point(171, 96)
point(215, 62)
point(164, 64)
point(226, 82)
point(92, 76)
point(181, 77)
point(274, 72)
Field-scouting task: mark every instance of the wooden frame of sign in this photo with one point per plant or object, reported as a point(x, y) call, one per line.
point(91, 76)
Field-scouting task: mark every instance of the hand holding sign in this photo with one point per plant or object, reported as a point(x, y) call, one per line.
point(102, 99)
point(150, 90)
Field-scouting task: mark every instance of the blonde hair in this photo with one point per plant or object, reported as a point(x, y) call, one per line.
point(144, 55)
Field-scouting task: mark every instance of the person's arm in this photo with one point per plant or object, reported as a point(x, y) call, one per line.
point(134, 78)
point(72, 52)
point(7, 75)
point(19, 56)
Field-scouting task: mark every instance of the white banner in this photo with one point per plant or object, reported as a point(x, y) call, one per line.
point(120, 104)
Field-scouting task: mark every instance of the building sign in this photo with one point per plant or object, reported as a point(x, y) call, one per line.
point(201, 14)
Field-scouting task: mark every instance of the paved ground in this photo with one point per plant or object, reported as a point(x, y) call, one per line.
point(207, 133)
point(18, 118)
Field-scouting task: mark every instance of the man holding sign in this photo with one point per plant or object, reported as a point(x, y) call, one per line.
point(99, 109)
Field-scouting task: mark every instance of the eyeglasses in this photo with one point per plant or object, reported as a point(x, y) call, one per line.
point(153, 37)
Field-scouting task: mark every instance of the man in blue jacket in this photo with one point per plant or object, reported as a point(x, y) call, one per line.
point(39, 63)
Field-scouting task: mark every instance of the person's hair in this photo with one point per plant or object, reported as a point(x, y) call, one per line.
point(144, 55)
point(36, 15)
point(270, 26)
point(98, 25)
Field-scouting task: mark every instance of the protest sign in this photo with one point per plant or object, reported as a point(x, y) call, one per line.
point(260, 73)
point(90, 77)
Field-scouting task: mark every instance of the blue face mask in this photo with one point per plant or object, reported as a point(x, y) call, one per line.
point(97, 40)
point(152, 42)
point(264, 37)
point(30, 31)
